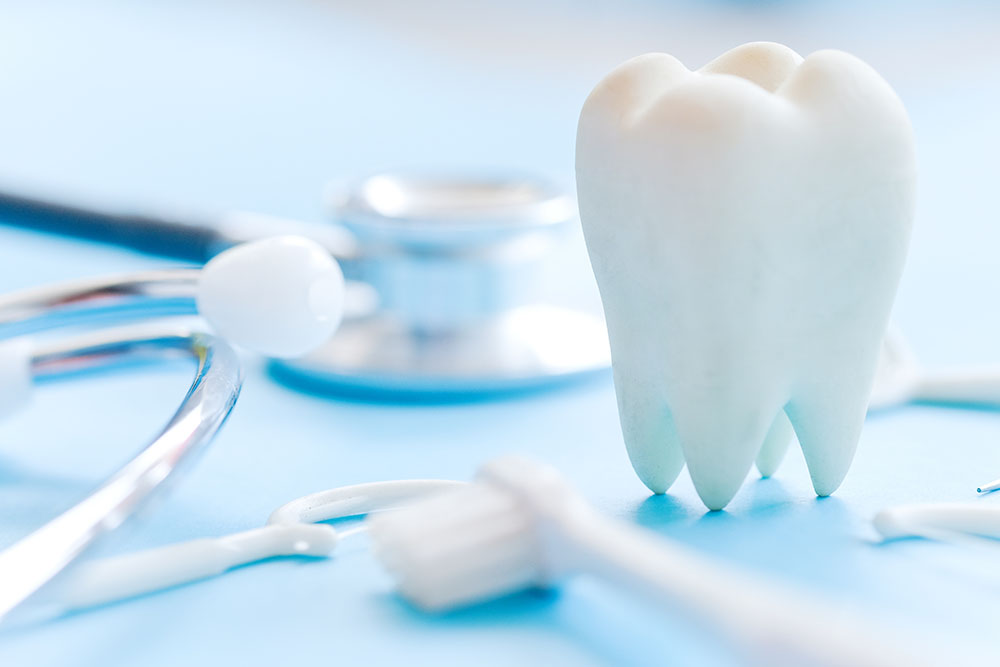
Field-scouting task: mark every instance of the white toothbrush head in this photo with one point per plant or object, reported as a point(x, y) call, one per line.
point(476, 543)
point(460, 548)
point(281, 297)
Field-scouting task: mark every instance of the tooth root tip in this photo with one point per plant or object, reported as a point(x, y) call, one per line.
point(716, 504)
point(827, 491)
point(659, 478)
point(766, 471)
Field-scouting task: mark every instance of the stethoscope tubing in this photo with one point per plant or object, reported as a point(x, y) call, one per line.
point(142, 294)
point(189, 238)
point(32, 562)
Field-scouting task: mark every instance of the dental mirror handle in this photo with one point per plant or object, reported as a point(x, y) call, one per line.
point(116, 578)
point(978, 385)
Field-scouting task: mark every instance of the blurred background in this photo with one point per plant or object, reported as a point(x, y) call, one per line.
point(257, 105)
point(213, 105)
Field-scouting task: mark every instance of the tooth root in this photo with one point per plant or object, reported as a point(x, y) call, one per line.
point(775, 446)
point(720, 440)
point(650, 435)
point(828, 422)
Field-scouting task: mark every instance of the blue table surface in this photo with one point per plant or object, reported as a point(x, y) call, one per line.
point(256, 105)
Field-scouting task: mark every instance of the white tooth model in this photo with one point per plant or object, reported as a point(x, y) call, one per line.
point(747, 224)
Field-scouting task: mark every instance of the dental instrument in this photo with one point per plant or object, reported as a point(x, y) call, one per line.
point(989, 488)
point(747, 224)
point(357, 500)
point(939, 521)
point(291, 530)
point(287, 316)
point(454, 274)
point(116, 578)
point(900, 379)
point(520, 525)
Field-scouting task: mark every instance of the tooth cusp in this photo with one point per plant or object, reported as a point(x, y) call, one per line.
point(765, 63)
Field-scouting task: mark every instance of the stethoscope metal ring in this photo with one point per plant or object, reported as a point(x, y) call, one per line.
point(455, 264)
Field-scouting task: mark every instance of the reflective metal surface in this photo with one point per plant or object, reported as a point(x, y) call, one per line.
point(29, 564)
point(459, 269)
point(524, 348)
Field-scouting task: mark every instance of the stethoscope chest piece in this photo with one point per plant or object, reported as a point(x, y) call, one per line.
point(456, 266)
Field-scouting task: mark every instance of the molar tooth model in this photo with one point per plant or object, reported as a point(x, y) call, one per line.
point(747, 224)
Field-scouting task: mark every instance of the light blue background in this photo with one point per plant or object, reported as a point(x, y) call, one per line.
point(255, 105)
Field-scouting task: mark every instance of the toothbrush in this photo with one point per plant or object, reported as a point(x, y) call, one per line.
point(522, 526)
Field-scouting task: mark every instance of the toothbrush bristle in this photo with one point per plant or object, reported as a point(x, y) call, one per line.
point(459, 548)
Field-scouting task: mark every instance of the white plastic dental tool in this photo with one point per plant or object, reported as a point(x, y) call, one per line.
point(901, 379)
point(949, 522)
point(520, 525)
point(747, 224)
point(291, 530)
point(989, 487)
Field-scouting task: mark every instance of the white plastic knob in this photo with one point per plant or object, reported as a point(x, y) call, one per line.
point(281, 297)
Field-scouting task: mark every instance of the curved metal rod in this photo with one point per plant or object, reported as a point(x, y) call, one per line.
point(29, 564)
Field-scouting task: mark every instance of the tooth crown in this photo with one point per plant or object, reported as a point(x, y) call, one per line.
point(747, 225)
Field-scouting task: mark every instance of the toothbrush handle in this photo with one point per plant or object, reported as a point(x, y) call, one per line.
point(109, 579)
point(972, 386)
point(778, 626)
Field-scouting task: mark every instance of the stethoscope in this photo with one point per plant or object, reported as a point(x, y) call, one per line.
point(444, 275)
point(30, 563)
